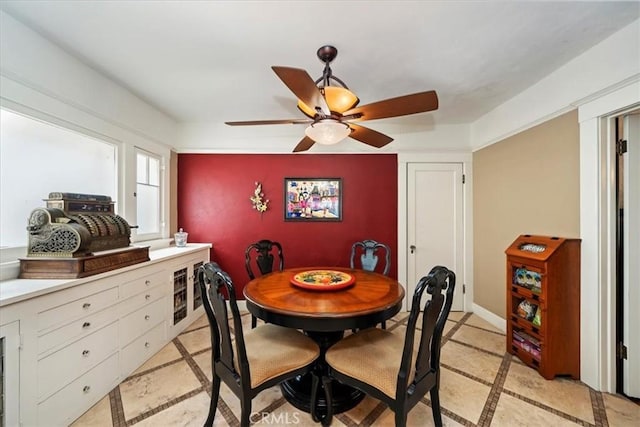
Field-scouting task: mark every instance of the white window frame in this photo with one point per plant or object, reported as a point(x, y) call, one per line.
point(141, 237)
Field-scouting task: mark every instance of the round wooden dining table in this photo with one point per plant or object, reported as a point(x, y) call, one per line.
point(323, 313)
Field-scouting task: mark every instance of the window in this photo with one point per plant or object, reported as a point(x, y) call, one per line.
point(37, 158)
point(41, 154)
point(148, 178)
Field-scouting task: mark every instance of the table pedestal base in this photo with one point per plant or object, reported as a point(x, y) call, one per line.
point(298, 392)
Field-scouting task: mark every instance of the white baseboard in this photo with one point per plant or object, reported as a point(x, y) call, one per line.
point(494, 319)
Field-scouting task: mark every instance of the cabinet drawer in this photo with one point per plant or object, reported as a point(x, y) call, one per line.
point(142, 283)
point(70, 402)
point(78, 307)
point(76, 329)
point(61, 367)
point(140, 300)
point(141, 349)
point(141, 320)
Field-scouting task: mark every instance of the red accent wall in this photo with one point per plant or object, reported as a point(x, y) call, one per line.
point(214, 206)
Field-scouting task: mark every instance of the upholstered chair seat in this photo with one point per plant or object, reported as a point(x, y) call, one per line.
point(372, 355)
point(266, 347)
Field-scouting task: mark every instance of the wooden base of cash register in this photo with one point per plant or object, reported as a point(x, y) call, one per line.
point(72, 268)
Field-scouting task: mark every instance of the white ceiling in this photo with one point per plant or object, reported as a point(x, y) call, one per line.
point(209, 61)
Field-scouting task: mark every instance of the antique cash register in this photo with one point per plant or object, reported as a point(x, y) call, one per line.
point(77, 235)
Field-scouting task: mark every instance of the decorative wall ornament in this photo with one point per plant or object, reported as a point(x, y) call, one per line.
point(257, 199)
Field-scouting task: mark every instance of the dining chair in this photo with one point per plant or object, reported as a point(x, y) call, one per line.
point(368, 258)
point(252, 361)
point(389, 366)
point(262, 255)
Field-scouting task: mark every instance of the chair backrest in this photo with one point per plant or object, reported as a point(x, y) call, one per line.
point(368, 251)
point(426, 361)
point(263, 253)
point(214, 284)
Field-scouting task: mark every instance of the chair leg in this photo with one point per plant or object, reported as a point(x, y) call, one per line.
point(384, 324)
point(254, 321)
point(401, 418)
point(213, 405)
point(245, 412)
point(435, 406)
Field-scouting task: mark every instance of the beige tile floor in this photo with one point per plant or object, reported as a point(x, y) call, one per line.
point(480, 386)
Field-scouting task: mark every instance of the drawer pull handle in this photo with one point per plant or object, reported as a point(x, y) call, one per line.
point(86, 389)
point(147, 296)
point(86, 305)
point(85, 353)
point(146, 344)
point(86, 325)
point(147, 317)
point(147, 282)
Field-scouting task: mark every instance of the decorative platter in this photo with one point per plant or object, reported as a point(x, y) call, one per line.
point(322, 280)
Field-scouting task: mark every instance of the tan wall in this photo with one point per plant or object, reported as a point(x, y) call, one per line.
point(526, 184)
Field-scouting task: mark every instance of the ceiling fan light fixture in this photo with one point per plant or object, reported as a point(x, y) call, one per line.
point(338, 99)
point(331, 109)
point(328, 132)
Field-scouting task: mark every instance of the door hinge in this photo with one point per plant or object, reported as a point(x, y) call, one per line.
point(464, 288)
point(622, 351)
point(464, 178)
point(621, 146)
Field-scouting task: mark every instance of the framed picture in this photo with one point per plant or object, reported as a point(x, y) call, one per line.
point(313, 199)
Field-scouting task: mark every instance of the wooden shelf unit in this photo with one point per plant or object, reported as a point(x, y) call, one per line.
point(545, 273)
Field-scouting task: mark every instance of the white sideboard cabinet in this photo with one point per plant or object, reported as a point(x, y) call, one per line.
point(68, 343)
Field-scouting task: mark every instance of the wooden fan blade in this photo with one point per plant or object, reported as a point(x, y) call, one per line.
point(369, 136)
point(270, 122)
point(394, 107)
point(304, 144)
point(303, 86)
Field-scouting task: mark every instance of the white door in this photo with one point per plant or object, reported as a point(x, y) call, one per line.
point(631, 249)
point(435, 223)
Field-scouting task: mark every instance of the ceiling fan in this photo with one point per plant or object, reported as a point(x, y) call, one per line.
point(332, 110)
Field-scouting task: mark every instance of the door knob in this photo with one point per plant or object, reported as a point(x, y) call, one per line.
point(413, 248)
